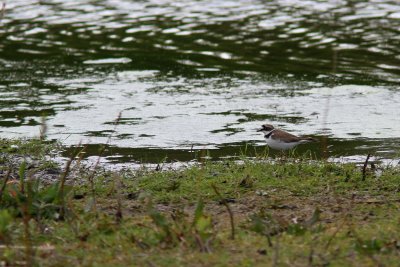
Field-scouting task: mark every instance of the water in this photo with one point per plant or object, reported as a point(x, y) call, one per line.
point(193, 76)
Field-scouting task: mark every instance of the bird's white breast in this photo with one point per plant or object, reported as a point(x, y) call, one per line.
point(276, 144)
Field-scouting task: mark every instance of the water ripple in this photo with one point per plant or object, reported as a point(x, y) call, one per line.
point(207, 71)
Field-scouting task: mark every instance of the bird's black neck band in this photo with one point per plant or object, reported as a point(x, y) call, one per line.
point(269, 134)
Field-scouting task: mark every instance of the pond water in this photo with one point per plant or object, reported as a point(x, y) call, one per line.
point(193, 76)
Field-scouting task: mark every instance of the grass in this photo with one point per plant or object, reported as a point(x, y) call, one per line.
point(26, 147)
point(293, 213)
point(14, 151)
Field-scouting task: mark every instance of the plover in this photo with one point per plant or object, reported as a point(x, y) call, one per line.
point(281, 140)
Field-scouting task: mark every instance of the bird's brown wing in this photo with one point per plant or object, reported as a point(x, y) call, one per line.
point(285, 136)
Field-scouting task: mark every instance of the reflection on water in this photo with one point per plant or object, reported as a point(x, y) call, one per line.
point(339, 149)
point(201, 73)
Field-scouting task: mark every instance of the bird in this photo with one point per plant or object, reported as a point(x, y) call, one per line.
point(281, 140)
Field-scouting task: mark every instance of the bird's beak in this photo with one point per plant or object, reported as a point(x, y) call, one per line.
point(260, 130)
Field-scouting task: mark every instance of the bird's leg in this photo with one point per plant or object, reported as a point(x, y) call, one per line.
point(282, 157)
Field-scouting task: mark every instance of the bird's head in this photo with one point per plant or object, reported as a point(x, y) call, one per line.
point(266, 128)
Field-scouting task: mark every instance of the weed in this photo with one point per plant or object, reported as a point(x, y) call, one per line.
point(368, 246)
point(197, 233)
point(5, 223)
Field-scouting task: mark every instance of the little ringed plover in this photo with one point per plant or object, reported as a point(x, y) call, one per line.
point(281, 140)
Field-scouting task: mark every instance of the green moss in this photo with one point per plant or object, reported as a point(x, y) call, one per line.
point(31, 147)
point(304, 179)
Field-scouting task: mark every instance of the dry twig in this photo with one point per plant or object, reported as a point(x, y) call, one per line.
point(5, 183)
point(364, 169)
point(2, 11)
